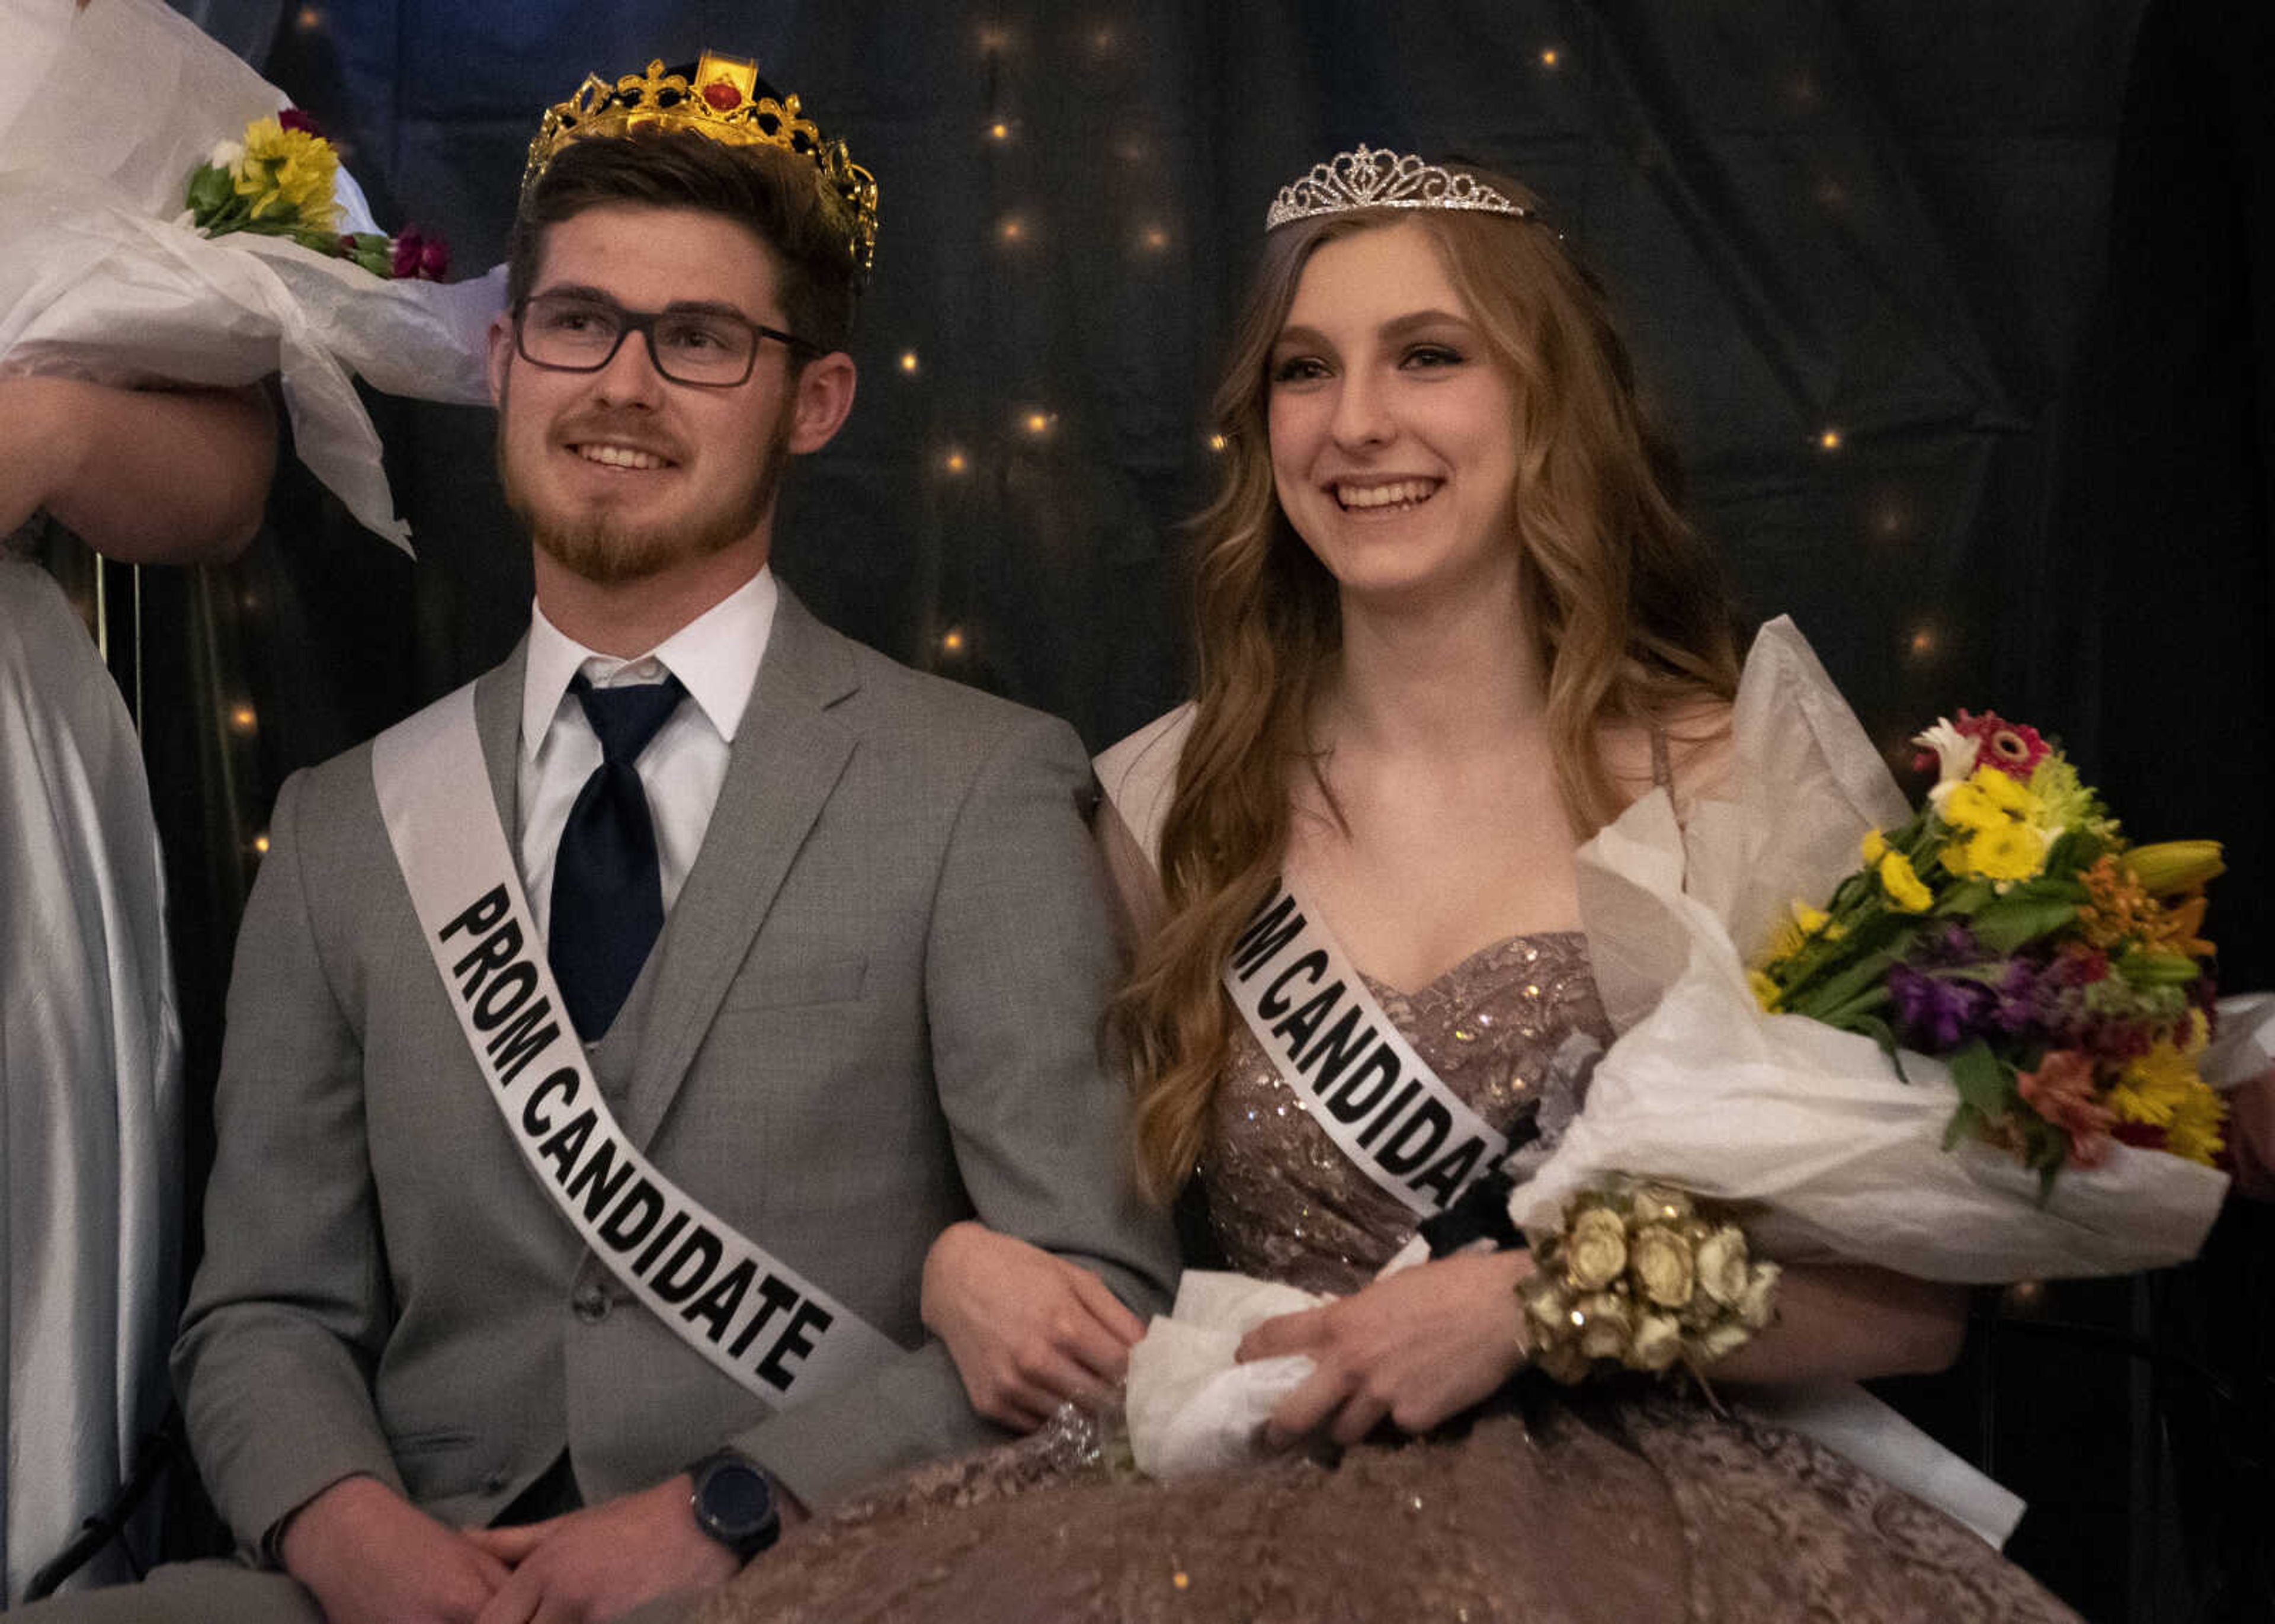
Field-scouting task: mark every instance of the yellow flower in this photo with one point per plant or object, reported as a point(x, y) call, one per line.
point(2197, 1121)
point(1810, 920)
point(1988, 801)
point(2154, 1087)
point(1766, 991)
point(1875, 847)
point(288, 173)
point(1903, 886)
point(2005, 852)
point(1968, 807)
point(2174, 866)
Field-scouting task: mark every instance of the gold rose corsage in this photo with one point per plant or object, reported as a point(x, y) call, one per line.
point(1646, 1276)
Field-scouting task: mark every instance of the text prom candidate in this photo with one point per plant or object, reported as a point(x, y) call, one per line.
point(873, 1007)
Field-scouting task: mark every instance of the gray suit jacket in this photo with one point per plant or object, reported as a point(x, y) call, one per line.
point(873, 1010)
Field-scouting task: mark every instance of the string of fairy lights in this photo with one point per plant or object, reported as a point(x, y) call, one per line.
point(1032, 425)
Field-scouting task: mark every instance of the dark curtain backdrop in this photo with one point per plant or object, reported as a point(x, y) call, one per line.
point(1856, 248)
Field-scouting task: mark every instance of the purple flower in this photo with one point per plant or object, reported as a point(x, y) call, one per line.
point(1935, 1014)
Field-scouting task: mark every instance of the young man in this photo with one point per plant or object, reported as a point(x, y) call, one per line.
point(828, 931)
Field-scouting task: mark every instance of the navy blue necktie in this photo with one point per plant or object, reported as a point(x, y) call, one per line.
point(608, 888)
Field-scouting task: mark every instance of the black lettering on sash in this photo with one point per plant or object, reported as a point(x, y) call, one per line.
point(662, 1239)
point(1373, 1129)
point(1452, 1170)
point(562, 1149)
point(517, 981)
point(1298, 1027)
point(701, 1248)
point(635, 1215)
point(488, 908)
point(1335, 1045)
point(1418, 1138)
point(563, 1082)
point(1349, 1104)
point(793, 1343)
point(716, 1306)
point(774, 1297)
point(519, 1042)
point(1269, 930)
point(1272, 1003)
point(594, 1175)
point(493, 951)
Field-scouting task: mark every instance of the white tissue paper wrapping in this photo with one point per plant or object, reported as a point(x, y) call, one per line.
point(1704, 1091)
point(1191, 1408)
point(103, 116)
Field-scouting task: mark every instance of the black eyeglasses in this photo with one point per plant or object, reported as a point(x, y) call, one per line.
point(581, 332)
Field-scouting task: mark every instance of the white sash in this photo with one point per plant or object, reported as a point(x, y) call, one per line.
point(1324, 1032)
point(752, 1316)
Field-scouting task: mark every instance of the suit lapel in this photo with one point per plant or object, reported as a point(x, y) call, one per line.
point(787, 755)
point(497, 719)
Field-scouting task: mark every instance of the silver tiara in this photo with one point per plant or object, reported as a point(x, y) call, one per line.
point(1370, 179)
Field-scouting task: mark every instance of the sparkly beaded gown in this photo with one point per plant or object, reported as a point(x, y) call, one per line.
point(1626, 1506)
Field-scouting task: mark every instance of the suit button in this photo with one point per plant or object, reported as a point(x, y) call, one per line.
point(495, 1483)
point(590, 1303)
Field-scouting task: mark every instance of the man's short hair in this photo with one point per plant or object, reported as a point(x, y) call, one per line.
point(774, 194)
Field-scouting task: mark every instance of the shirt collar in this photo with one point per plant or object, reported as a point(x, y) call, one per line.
point(715, 656)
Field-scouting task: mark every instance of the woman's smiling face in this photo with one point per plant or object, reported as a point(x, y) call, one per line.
point(1394, 431)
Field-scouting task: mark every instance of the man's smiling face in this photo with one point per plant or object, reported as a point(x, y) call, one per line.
point(623, 473)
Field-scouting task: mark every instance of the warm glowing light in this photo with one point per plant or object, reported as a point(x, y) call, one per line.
point(1829, 440)
point(998, 131)
point(261, 845)
point(956, 462)
point(1012, 230)
point(1038, 422)
point(1154, 238)
point(909, 362)
point(993, 39)
point(1924, 642)
point(2026, 1294)
point(1217, 443)
point(309, 19)
point(951, 641)
point(1101, 39)
point(242, 719)
point(1550, 58)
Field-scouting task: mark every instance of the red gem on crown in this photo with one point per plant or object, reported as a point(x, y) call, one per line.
point(722, 96)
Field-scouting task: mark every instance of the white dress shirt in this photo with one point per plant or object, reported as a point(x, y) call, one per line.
point(715, 656)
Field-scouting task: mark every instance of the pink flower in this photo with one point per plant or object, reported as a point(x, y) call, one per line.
point(418, 255)
point(2013, 747)
point(293, 118)
point(2061, 1091)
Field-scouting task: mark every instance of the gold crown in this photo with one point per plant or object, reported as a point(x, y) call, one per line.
point(726, 101)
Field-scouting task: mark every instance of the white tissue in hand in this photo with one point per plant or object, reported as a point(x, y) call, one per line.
point(1191, 1407)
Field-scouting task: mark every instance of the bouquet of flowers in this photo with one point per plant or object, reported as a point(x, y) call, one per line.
point(2009, 929)
point(2036, 981)
point(166, 220)
point(282, 180)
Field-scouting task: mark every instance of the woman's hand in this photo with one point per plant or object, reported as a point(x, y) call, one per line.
point(1028, 1331)
point(1417, 1347)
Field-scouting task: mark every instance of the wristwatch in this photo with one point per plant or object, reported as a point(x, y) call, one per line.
point(734, 1502)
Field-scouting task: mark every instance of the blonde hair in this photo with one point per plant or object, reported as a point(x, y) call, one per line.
point(1628, 616)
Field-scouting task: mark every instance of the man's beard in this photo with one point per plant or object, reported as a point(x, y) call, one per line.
point(602, 547)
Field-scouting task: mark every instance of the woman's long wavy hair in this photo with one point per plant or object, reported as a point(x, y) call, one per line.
point(1630, 618)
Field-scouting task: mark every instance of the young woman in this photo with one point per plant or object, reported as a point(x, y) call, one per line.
point(1451, 623)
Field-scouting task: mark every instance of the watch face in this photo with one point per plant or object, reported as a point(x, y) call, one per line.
point(737, 1499)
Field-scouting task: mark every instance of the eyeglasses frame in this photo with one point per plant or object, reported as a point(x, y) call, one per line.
point(643, 322)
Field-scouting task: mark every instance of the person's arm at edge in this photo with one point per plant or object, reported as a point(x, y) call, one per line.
point(143, 476)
